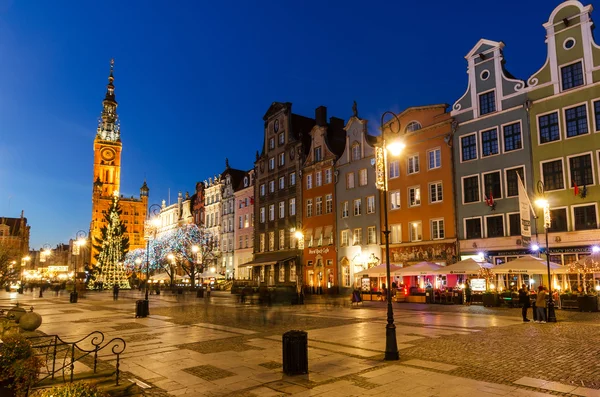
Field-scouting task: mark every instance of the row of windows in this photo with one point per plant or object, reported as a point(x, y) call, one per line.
point(318, 204)
point(280, 140)
point(281, 272)
point(245, 241)
point(435, 191)
point(415, 231)
point(357, 206)
point(245, 221)
point(580, 171)
point(413, 164)
point(292, 182)
point(575, 123)
point(512, 139)
point(281, 210)
point(269, 240)
point(583, 217)
point(318, 178)
point(357, 236)
point(473, 192)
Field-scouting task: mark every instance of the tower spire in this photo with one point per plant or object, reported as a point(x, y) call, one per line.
point(108, 123)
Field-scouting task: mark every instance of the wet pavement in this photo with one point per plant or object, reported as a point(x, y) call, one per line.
point(218, 347)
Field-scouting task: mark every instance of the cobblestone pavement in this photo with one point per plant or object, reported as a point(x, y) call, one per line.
point(217, 347)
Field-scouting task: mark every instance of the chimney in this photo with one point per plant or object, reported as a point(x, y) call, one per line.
point(321, 116)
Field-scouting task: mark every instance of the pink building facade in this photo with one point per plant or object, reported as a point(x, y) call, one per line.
point(244, 227)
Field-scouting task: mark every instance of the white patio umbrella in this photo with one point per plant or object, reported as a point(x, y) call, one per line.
point(377, 271)
point(468, 266)
point(528, 264)
point(420, 269)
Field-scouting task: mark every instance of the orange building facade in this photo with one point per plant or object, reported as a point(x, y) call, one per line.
point(421, 209)
point(107, 177)
point(319, 215)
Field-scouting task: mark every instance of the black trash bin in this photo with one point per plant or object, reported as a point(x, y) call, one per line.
point(295, 353)
point(73, 296)
point(200, 293)
point(141, 308)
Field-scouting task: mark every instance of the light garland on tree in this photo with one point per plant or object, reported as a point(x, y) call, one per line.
point(112, 247)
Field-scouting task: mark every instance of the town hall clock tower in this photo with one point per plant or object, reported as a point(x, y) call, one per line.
point(107, 176)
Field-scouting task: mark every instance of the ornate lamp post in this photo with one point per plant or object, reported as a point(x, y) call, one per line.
point(381, 180)
point(151, 227)
point(45, 252)
point(24, 261)
point(543, 203)
point(78, 244)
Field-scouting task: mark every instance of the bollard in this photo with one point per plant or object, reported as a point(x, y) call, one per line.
point(295, 352)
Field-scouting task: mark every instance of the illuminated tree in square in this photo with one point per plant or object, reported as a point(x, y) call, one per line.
point(112, 247)
point(190, 247)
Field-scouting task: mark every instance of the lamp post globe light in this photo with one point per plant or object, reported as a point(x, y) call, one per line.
point(543, 203)
point(394, 148)
point(78, 244)
point(45, 252)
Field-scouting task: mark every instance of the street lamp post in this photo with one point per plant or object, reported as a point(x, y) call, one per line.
point(545, 205)
point(23, 264)
point(152, 223)
point(45, 252)
point(391, 346)
point(80, 241)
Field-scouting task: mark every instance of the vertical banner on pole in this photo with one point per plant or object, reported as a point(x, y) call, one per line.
point(524, 207)
point(380, 168)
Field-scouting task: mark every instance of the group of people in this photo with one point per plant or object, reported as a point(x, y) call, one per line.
point(540, 303)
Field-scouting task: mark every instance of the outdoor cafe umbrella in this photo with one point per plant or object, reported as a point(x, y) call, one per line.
point(467, 266)
point(420, 269)
point(377, 271)
point(529, 265)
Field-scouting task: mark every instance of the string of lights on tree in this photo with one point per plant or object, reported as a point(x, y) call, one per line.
point(112, 247)
point(177, 242)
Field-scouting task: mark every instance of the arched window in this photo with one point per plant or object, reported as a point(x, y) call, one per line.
point(413, 126)
point(355, 151)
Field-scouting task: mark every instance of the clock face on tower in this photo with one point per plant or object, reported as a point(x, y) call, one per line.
point(107, 154)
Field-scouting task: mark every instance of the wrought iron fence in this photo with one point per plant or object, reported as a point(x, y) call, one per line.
point(59, 356)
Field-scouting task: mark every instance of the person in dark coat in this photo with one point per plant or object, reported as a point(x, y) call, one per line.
point(115, 292)
point(524, 302)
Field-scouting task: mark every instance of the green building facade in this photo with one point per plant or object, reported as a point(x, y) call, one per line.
point(564, 115)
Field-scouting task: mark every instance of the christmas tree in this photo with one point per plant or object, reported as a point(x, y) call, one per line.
point(112, 247)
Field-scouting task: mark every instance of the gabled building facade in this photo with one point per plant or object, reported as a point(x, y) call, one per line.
point(198, 205)
point(231, 179)
point(421, 210)
point(14, 235)
point(213, 188)
point(565, 131)
point(175, 215)
point(491, 145)
point(320, 272)
point(355, 182)
point(277, 258)
point(244, 227)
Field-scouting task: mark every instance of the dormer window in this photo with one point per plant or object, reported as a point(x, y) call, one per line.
point(572, 76)
point(318, 156)
point(356, 151)
point(413, 126)
point(487, 103)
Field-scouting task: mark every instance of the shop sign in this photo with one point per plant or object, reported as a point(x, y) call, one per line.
point(478, 284)
point(318, 251)
point(57, 269)
point(427, 252)
point(365, 283)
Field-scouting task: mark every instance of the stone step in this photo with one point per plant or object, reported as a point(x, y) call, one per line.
point(104, 380)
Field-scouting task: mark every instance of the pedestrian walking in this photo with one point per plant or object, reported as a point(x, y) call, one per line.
point(524, 302)
point(116, 292)
point(540, 304)
point(468, 292)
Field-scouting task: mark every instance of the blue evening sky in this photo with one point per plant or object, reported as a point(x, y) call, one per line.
point(194, 78)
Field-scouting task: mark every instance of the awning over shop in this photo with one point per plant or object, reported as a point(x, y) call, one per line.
point(468, 266)
point(530, 265)
point(377, 271)
point(318, 232)
point(328, 231)
point(267, 261)
point(420, 269)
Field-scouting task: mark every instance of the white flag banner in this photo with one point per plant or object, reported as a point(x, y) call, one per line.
point(525, 214)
